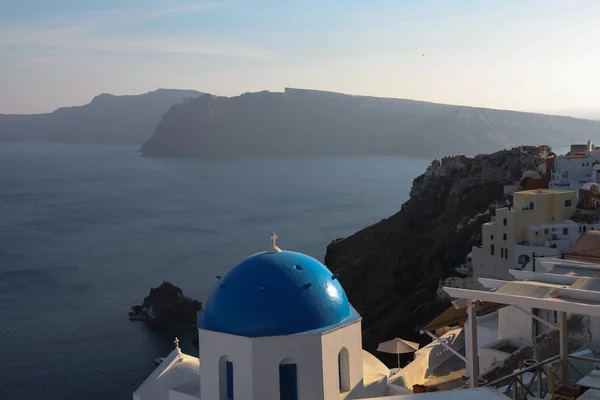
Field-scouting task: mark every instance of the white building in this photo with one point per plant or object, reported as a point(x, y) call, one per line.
point(575, 168)
point(278, 326)
point(538, 223)
point(551, 239)
point(501, 321)
point(558, 290)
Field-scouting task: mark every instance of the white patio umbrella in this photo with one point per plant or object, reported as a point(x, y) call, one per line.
point(398, 346)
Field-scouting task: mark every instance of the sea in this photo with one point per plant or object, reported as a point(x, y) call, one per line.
point(85, 231)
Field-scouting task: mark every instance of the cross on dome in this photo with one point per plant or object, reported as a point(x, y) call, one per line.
point(274, 238)
point(176, 343)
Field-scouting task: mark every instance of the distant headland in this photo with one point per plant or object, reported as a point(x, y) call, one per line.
point(107, 119)
point(300, 122)
point(296, 122)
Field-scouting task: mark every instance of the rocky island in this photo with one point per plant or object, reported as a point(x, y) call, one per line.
point(315, 123)
point(167, 308)
point(392, 270)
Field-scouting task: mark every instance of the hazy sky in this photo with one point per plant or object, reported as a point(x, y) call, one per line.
point(513, 54)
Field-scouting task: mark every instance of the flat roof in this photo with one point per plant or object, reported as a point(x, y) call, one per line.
point(545, 191)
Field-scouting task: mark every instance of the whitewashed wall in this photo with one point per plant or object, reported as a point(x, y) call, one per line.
point(515, 326)
point(256, 364)
point(303, 350)
point(213, 346)
point(175, 395)
point(348, 337)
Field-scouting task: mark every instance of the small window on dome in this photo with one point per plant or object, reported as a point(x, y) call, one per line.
point(298, 268)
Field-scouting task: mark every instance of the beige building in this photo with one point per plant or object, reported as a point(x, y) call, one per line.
point(507, 241)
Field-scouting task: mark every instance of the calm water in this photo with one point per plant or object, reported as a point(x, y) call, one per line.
point(86, 230)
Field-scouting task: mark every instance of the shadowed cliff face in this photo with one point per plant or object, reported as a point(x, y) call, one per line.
point(303, 122)
point(391, 270)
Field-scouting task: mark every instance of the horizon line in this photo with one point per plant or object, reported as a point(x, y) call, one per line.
point(530, 111)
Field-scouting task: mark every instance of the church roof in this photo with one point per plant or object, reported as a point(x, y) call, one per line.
point(276, 293)
point(177, 369)
point(373, 369)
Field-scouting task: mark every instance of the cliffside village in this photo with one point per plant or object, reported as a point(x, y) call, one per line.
point(544, 214)
point(520, 309)
point(524, 321)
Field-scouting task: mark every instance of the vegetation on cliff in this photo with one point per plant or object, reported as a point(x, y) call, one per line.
point(391, 270)
point(167, 308)
point(305, 122)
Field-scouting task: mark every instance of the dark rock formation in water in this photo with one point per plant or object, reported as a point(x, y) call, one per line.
point(304, 122)
point(167, 308)
point(107, 119)
point(391, 270)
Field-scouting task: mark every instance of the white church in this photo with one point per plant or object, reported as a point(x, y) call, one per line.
point(278, 326)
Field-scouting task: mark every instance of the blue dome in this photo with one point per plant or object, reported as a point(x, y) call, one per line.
point(278, 293)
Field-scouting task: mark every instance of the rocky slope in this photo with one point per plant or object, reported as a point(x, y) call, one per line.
point(304, 122)
point(391, 270)
point(107, 119)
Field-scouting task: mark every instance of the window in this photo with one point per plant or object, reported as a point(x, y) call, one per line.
point(344, 370)
point(492, 237)
point(504, 236)
point(288, 380)
point(531, 205)
point(505, 222)
point(501, 252)
point(492, 250)
point(506, 254)
point(523, 260)
point(567, 203)
point(225, 379)
point(565, 231)
point(537, 233)
point(546, 231)
point(229, 380)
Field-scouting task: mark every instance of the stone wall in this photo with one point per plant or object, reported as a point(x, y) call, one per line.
point(456, 162)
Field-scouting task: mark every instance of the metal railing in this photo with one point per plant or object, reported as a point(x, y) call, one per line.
point(518, 389)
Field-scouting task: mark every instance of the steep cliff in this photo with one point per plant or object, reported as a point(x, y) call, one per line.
point(391, 270)
point(305, 122)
